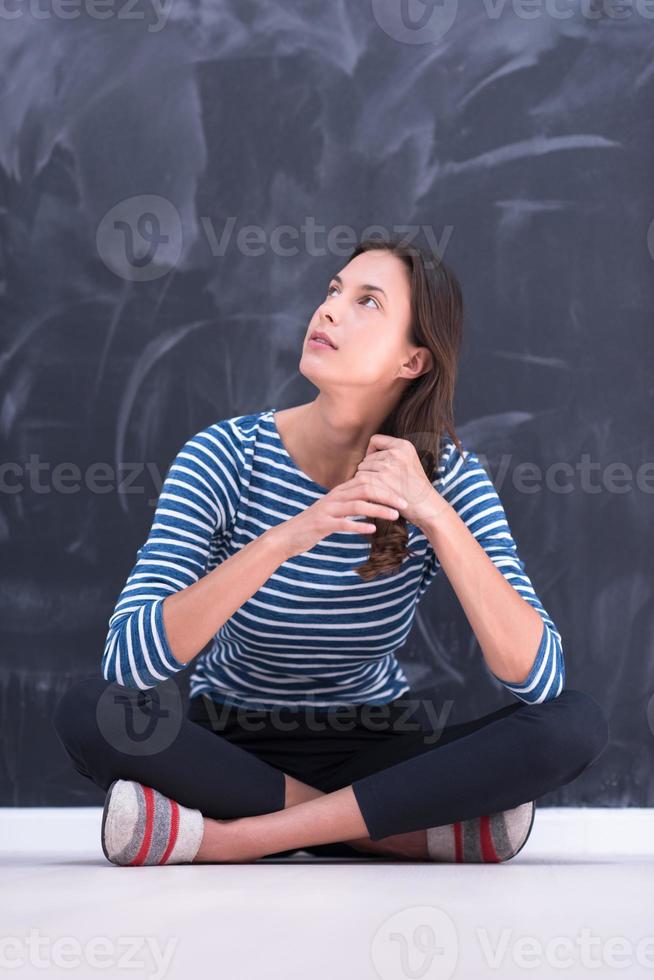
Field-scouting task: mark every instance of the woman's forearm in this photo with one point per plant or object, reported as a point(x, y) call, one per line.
point(195, 614)
point(507, 627)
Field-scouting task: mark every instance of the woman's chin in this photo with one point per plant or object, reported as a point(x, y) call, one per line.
point(310, 368)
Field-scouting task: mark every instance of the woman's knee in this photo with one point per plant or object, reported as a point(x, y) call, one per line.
point(580, 727)
point(98, 716)
point(74, 715)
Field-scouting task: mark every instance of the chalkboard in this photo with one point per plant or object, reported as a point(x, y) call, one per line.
point(174, 189)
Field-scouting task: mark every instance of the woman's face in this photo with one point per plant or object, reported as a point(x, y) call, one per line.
point(367, 314)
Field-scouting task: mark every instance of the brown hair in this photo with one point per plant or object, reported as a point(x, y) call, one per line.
point(425, 411)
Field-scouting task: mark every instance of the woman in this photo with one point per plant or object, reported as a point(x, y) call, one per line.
point(286, 557)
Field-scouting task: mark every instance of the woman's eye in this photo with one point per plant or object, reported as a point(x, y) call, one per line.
point(365, 297)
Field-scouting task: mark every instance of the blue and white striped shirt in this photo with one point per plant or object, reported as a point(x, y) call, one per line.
point(315, 633)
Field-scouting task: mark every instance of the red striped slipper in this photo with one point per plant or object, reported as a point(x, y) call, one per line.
point(491, 838)
point(142, 826)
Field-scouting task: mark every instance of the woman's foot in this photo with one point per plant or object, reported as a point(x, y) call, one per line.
point(141, 826)
point(410, 847)
point(491, 838)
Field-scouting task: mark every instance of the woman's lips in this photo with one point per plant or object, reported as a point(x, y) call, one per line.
point(320, 343)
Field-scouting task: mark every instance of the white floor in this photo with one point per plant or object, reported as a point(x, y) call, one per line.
point(578, 901)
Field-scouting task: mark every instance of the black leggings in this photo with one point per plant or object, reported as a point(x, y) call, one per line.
point(408, 771)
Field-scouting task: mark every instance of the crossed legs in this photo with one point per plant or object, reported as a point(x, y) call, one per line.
point(249, 838)
point(493, 763)
point(252, 809)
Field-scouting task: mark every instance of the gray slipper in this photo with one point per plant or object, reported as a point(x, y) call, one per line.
point(489, 838)
point(142, 826)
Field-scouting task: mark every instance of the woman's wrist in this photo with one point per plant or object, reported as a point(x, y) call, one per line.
point(277, 542)
point(434, 514)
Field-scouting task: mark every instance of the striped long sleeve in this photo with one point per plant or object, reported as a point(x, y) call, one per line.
point(197, 503)
point(466, 485)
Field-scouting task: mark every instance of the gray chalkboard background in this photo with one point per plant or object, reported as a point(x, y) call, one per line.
point(522, 147)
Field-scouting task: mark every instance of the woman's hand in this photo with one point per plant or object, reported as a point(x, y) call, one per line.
point(397, 463)
point(366, 494)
